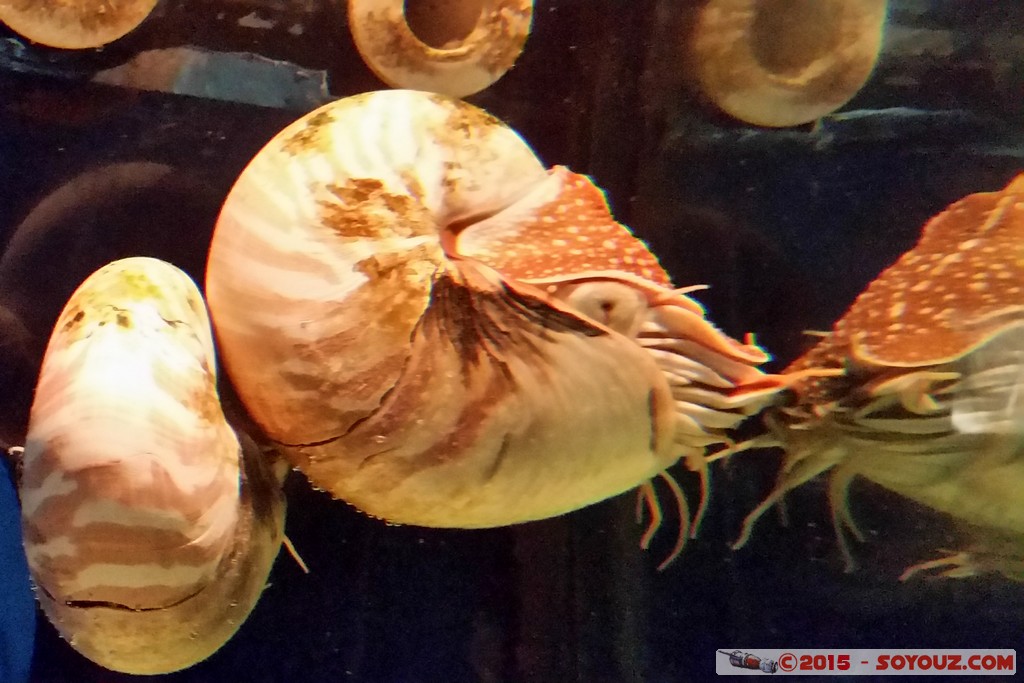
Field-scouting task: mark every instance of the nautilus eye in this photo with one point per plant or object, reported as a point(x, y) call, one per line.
point(455, 47)
point(74, 24)
point(393, 279)
point(785, 62)
point(148, 537)
point(920, 384)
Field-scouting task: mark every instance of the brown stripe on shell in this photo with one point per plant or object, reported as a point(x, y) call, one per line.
point(473, 342)
point(135, 481)
point(157, 641)
point(379, 404)
point(172, 542)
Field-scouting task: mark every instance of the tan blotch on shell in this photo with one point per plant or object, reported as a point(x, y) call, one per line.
point(785, 62)
point(441, 332)
point(74, 24)
point(148, 535)
point(454, 47)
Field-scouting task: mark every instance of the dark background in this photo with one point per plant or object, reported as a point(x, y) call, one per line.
point(787, 226)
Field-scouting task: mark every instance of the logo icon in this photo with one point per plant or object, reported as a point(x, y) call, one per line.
point(744, 660)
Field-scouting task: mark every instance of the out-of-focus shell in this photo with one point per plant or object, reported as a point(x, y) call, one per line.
point(148, 538)
point(928, 366)
point(460, 46)
point(785, 62)
point(74, 24)
point(440, 332)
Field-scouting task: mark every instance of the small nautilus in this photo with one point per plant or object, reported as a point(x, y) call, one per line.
point(785, 62)
point(924, 396)
point(148, 536)
point(441, 332)
point(455, 47)
point(74, 24)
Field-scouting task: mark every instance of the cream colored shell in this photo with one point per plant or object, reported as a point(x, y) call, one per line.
point(148, 538)
point(785, 62)
point(74, 24)
point(389, 280)
point(481, 41)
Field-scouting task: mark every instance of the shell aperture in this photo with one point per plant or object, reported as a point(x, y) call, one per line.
point(392, 321)
point(148, 537)
point(455, 61)
point(786, 62)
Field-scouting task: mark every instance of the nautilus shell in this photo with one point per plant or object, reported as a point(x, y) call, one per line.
point(74, 24)
point(785, 62)
point(927, 368)
point(441, 332)
point(148, 537)
point(458, 47)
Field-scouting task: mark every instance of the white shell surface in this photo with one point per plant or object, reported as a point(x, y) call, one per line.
point(131, 502)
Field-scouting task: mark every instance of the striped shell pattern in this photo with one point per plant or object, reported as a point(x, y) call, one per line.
point(427, 322)
point(440, 331)
point(148, 538)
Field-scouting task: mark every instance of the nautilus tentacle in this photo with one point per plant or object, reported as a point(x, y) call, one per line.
point(928, 366)
point(460, 46)
point(785, 62)
point(74, 24)
point(148, 537)
point(440, 332)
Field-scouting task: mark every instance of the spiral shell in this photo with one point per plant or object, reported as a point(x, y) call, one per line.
point(74, 24)
point(785, 62)
point(458, 62)
point(148, 539)
point(440, 332)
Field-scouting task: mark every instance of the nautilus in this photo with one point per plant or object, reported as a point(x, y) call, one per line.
point(441, 332)
point(148, 536)
point(919, 386)
point(74, 24)
point(785, 62)
point(458, 47)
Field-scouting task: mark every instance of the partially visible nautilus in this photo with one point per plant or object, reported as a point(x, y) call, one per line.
point(919, 388)
point(148, 535)
point(785, 62)
point(74, 24)
point(440, 331)
point(455, 47)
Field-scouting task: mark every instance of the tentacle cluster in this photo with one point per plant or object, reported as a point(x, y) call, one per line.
point(917, 388)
